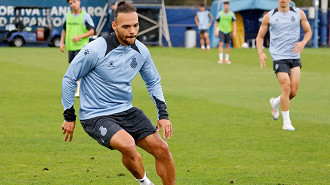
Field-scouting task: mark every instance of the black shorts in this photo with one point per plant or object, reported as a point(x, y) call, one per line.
point(72, 54)
point(203, 31)
point(225, 37)
point(285, 65)
point(133, 121)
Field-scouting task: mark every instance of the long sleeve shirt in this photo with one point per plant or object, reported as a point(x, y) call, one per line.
point(106, 69)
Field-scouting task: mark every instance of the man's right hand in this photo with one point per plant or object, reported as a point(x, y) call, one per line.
point(68, 128)
point(262, 58)
point(62, 46)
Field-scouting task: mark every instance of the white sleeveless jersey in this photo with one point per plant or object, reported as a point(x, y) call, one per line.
point(284, 29)
point(203, 19)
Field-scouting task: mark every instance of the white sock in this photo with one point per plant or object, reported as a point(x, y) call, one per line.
point(286, 117)
point(208, 47)
point(221, 56)
point(144, 180)
point(277, 102)
point(227, 56)
point(203, 47)
point(78, 86)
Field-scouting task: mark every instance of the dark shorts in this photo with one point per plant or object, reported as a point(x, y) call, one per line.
point(225, 37)
point(285, 65)
point(203, 31)
point(72, 54)
point(133, 121)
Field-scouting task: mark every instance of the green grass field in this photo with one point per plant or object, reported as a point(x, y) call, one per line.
point(223, 129)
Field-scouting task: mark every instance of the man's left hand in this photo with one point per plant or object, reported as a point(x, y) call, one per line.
point(166, 126)
point(75, 39)
point(299, 47)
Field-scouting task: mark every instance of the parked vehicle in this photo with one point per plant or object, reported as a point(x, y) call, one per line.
point(18, 34)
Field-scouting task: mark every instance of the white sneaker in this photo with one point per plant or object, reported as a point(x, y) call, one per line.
point(275, 112)
point(76, 95)
point(288, 126)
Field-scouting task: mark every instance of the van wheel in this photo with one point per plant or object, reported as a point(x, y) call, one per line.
point(18, 41)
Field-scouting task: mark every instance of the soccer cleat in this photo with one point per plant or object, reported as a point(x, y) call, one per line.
point(288, 126)
point(220, 61)
point(228, 62)
point(275, 112)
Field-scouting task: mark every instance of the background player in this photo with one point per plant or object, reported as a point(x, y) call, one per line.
point(204, 20)
point(284, 27)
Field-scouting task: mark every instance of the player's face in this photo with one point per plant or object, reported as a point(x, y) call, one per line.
point(226, 7)
point(283, 3)
point(126, 26)
point(74, 4)
point(202, 8)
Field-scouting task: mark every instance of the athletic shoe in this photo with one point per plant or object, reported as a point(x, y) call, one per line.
point(228, 62)
point(275, 112)
point(220, 61)
point(288, 126)
point(76, 95)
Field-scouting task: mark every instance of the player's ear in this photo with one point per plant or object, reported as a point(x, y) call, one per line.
point(113, 25)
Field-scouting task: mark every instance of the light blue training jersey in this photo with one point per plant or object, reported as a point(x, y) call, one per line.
point(203, 19)
point(284, 30)
point(107, 69)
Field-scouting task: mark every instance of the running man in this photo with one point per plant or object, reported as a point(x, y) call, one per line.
point(77, 27)
point(204, 20)
point(222, 29)
point(107, 67)
point(285, 48)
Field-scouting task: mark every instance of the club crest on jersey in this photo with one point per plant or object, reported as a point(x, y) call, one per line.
point(86, 52)
point(103, 131)
point(293, 19)
point(133, 63)
point(111, 64)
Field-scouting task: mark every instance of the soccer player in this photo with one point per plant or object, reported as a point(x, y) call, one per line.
point(107, 67)
point(204, 20)
point(285, 48)
point(223, 28)
point(77, 27)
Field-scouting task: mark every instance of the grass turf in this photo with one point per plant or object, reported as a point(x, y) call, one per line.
point(223, 129)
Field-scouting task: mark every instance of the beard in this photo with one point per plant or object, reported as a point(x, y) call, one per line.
point(129, 40)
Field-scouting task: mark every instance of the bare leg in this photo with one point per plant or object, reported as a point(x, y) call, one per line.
point(206, 35)
point(227, 48)
point(164, 162)
point(220, 48)
point(131, 159)
point(285, 83)
point(295, 80)
point(201, 40)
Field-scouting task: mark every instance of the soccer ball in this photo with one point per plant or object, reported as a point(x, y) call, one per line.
point(245, 45)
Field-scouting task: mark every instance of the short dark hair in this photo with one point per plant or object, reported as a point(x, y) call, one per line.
point(124, 7)
point(226, 2)
point(201, 5)
point(69, 0)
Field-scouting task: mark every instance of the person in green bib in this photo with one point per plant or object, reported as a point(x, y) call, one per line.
point(224, 23)
point(77, 27)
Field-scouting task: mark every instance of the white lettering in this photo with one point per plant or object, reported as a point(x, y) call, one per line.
point(10, 10)
point(57, 22)
point(62, 10)
point(26, 20)
point(33, 21)
point(35, 12)
point(28, 12)
point(42, 21)
point(3, 21)
point(3, 10)
point(98, 11)
point(54, 11)
point(11, 19)
point(90, 10)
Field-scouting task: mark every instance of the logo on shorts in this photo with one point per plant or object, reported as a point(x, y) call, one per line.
point(103, 131)
point(133, 63)
point(276, 67)
point(293, 19)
